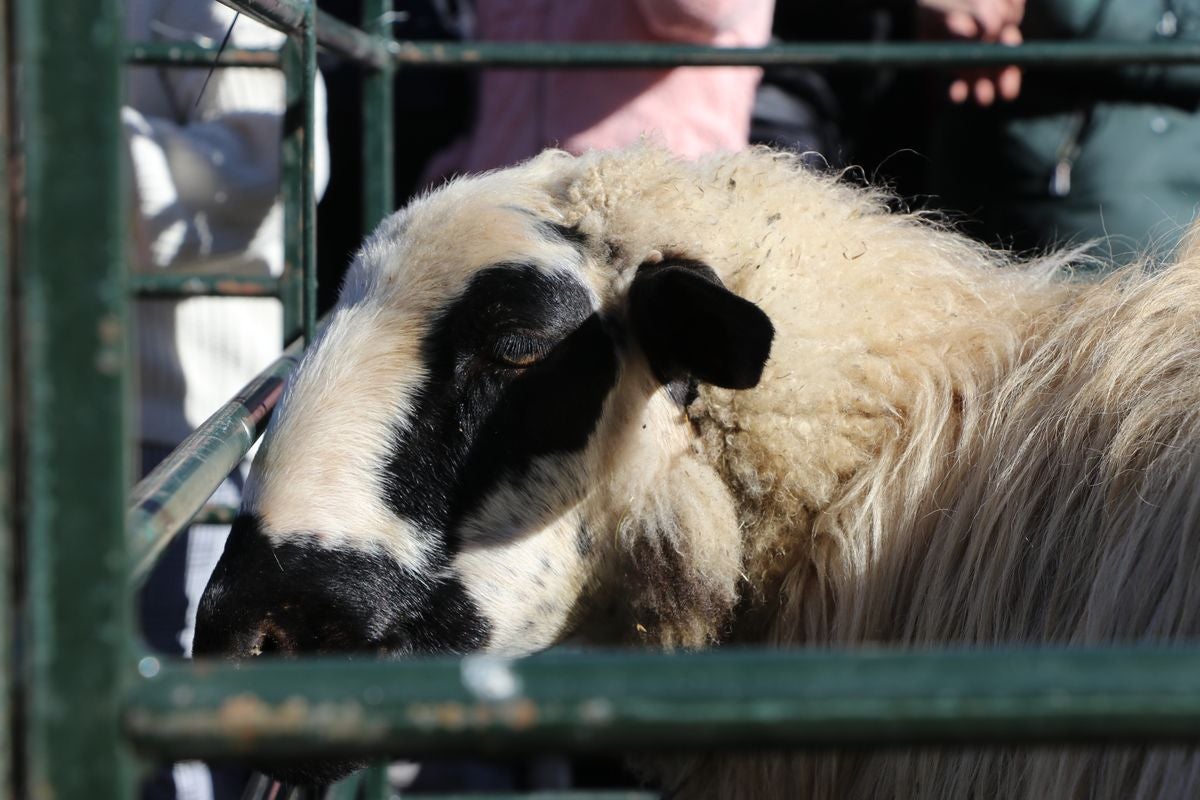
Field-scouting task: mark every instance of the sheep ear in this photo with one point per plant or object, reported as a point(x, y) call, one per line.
point(691, 327)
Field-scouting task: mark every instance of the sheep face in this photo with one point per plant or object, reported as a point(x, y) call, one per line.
point(483, 435)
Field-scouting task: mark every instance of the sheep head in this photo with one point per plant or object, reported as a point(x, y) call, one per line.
point(486, 448)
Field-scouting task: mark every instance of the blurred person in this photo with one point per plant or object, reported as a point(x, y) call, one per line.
point(204, 155)
point(1103, 155)
point(691, 110)
point(807, 109)
point(864, 118)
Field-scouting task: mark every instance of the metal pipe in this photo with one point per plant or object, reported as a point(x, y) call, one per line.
point(900, 55)
point(308, 193)
point(564, 794)
point(616, 702)
point(283, 15)
point(165, 501)
point(379, 137)
point(8, 452)
point(291, 172)
point(332, 34)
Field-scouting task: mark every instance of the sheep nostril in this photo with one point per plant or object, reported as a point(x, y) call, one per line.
point(269, 646)
point(272, 640)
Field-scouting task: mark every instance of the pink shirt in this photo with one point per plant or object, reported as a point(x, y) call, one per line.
point(692, 110)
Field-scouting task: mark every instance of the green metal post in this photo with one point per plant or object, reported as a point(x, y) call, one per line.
point(73, 341)
point(308, 194)
point(292, 281)
point(379, 140)
point(299, 283)
point(6, 484)
point(291, 290)
point(379, 199)
point(375, 783)
point(347, 788)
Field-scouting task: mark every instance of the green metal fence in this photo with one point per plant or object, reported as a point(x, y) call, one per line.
point(94, 704)
point(73, 467)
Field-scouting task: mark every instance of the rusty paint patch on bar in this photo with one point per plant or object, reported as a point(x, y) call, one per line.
point(204, 285)
point(516, 715)
point(186, 54)
point(244, 720)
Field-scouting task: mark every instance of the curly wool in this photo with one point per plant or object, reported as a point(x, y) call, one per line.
point(948, 447)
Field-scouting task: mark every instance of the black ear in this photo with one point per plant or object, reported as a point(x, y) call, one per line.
point(691, 327)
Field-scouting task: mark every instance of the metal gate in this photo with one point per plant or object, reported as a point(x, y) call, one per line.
point(92, 703)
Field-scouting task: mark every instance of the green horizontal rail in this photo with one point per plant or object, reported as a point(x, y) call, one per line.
point(174, 285)
point(563, 55)
point(333, 35)
point(188, 54)
point(567, 702)
point(167, 499)
point(580, 794)
point(349, 788)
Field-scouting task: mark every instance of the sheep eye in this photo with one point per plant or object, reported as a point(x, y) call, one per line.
point(517, 350)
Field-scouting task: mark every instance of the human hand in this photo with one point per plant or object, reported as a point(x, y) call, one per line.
point(983, 21)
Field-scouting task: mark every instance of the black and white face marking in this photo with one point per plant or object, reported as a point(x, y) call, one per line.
point(286, 599)
point(515, 371)
point(289, 598)
point(518, 369)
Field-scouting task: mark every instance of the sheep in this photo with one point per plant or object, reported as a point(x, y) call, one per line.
point(622, 398)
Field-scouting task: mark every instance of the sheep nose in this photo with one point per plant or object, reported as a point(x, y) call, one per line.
point(236, 636)
point(244, 612)
point(226, 633)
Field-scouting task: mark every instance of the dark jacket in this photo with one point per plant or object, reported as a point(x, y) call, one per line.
point(1104, 154)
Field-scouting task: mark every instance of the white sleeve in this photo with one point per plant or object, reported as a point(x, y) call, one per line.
point(206, 182)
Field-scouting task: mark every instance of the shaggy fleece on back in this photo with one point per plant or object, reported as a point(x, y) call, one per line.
point(948, 447)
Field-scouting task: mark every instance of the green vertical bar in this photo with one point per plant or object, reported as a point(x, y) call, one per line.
point(73, 343)
point(290, 174)
point(299, 290)
point(379, 140)
point(369, 784)
point(348, 788)
point(375, 783)
point(6, 485)
point(308, 192)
